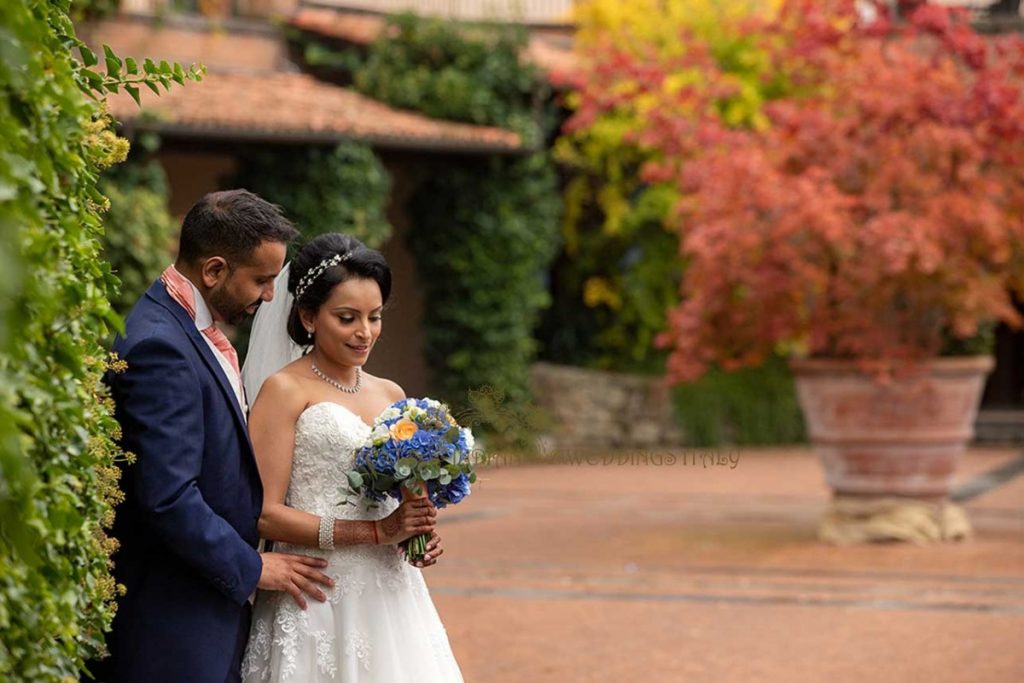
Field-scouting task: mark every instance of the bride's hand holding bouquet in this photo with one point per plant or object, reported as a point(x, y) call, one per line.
point(415, 452)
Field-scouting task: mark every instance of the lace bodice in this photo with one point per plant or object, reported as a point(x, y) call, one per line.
point(327, 436)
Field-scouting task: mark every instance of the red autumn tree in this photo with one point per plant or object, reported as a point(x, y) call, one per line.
point(879, 214)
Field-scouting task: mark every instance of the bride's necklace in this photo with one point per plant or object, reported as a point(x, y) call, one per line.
point(335, 383)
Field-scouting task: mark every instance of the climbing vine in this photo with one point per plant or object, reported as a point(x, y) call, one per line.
point(58, 480)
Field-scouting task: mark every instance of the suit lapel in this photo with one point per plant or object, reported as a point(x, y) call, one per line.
point(159, 294)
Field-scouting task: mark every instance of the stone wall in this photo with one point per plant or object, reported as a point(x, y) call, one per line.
point(602, 410)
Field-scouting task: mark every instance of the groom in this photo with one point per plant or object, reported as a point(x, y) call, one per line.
point(187, 526)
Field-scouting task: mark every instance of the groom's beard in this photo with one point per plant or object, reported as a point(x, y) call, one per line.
point(231, 311)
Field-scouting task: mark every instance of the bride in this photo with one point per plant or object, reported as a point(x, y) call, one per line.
point(377, 621)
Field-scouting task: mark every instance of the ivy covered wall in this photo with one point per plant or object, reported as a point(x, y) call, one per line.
point(484, 228)
point(57, 434)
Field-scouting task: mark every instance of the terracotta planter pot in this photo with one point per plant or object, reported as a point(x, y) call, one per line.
point(898, 442)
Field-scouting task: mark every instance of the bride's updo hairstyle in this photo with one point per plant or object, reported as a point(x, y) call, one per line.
point(357, 261)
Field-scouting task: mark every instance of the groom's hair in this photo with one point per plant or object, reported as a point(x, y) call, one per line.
point(231, 224)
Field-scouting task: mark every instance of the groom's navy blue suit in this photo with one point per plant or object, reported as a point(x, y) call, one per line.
point(187, 526)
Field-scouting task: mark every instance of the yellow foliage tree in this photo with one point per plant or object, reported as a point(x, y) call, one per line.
point(642, 24)
point(620, 258)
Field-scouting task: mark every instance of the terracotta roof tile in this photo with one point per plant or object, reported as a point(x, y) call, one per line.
point(295, 106)
point(351, 27)
point(555, 59)
point(551, 53)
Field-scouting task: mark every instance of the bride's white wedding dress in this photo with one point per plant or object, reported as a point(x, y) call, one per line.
point(379, 623)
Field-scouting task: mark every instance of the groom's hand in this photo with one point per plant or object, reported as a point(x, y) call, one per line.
point(295, 575)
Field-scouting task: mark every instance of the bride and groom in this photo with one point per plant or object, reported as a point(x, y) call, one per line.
point(336, 601)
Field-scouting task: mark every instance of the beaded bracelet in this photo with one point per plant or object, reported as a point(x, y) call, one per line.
point(326, 537)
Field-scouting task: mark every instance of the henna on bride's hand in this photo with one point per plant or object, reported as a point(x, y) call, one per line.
point(412, 517)
point(389, 526)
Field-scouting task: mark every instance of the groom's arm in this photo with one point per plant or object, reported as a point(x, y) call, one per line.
point(160, 409)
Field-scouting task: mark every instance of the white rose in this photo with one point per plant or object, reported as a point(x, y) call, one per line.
point(380, 434)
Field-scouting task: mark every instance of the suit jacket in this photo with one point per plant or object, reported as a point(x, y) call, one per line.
point(187, 527)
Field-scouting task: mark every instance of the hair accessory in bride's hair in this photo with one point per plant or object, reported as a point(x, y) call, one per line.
point(318, 270)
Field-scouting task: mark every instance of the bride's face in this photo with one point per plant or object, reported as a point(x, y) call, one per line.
point(348, 323)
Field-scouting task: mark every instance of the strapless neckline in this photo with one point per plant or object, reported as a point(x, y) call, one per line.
point(346, 410)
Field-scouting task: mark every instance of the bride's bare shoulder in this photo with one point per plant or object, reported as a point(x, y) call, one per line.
point(283, 390)
point(391, 390)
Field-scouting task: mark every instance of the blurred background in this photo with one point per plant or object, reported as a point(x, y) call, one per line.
point(648, 249)
point(526, 255)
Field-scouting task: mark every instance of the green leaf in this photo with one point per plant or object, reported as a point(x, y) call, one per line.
point(112, 60)
point(88, 56)
point(131, 66)
point(355, 480)
point(152, 86)
point(428, 471)
point(165, 67)
point(94, 78)
point(404, 466)
point(150, 67)
point(179, 74)
point(134, 92)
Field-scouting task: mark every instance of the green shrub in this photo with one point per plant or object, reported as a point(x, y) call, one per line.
point(453, 71)
point(139, 231)
point(341, 189)
point(57, 433)
point(754, 406)
point(485, 234)
point(612, 289)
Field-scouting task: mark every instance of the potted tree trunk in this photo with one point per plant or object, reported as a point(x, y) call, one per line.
point(871, 227)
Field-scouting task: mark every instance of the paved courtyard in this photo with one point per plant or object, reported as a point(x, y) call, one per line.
point(614, 569)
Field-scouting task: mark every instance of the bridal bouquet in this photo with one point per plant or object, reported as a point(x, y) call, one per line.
point(416, 448)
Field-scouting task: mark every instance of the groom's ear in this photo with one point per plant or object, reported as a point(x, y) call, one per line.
point(214, 271)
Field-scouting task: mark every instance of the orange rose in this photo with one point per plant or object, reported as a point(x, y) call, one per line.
point(403, 429)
